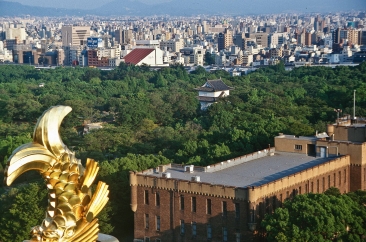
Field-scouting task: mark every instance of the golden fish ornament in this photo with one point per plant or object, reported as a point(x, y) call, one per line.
point(72, 209)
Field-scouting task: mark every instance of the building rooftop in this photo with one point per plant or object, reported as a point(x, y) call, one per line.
point(136, 55)
point(214, 86)
point(254, 172)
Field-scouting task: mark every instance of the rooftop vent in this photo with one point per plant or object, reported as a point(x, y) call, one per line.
point(189, 168)
point(196, 178)
point(167, 175)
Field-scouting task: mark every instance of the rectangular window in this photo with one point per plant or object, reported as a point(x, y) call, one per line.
point(237, 237)
point(328, 181)
point(147, 239)
point(209, 232)
point(224, 234)
point(194, 204)
point(323, 184)
point(182, 229)
point(345, 175)
point(312, 187)
point(181, 202)
point(157, 199)
point(299, 190)
point(194, 229)
point(339, 178)
point(287, 194)
point(146, 194)
point(158, 223)
point(157, 240)
point(317, 186)
point(298, 147)
point(334, 179)
point(224, 208)
point(208, 206)
point(237, 210)
point(364, 174)
point(146, 221)
point(306, 188)
point(281, 198)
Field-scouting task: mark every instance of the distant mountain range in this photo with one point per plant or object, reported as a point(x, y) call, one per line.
point(188, 7)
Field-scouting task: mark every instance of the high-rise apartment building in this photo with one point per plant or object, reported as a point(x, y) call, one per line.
point(225, 39)
point(74, 35)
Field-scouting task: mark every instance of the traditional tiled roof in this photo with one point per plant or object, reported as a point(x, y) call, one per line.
point(137, 55)
point(214, 86)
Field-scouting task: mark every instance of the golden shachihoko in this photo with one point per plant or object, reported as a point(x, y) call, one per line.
point(72, 209)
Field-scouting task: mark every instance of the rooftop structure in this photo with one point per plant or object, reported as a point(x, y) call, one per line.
point(211, 92)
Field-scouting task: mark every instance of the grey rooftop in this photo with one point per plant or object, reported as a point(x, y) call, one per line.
point(254, 172)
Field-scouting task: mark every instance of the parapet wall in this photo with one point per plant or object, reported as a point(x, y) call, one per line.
point(288, 182)
point(239, 160)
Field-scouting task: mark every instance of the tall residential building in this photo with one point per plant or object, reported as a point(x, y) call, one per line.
point(15, 33)
point(260, 38)
point(123, 36)
point(225, 39)
point(74, 35)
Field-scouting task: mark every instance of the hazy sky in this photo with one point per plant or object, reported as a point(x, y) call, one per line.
point(91, 4)
point(81, 4)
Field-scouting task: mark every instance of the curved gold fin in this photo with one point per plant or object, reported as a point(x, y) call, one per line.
point(46, 131)
point(88, 232)
point(90, 173)
point(98, 201)
point(27, 157)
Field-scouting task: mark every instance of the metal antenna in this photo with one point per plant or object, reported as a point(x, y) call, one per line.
point(354, 104)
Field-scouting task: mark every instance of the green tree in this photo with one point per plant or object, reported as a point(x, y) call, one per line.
point(316, 217)
point(21, 209)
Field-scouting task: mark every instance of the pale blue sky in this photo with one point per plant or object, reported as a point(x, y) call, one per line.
point(81, 4)
point(283, 5)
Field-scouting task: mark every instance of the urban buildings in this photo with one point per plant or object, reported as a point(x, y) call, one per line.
point(304, 39)
point(227, 201)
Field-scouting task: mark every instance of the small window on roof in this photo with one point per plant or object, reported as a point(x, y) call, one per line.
point(298, 147)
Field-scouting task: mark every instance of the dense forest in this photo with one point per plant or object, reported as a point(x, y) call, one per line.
point(152, 117)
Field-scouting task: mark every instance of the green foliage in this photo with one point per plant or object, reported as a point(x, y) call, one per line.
point(21, 209)
point(151, 117)
point(317, 217)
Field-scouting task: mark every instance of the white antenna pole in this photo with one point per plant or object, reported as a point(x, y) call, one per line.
point(354, 104)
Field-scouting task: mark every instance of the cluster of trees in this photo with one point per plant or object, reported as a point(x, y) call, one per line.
point(153, 117)
point(319, 217)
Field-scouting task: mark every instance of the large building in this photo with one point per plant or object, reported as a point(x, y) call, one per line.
point(74, 35)
point(227, 201)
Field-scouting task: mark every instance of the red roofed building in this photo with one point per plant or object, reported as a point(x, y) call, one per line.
point(148, 56)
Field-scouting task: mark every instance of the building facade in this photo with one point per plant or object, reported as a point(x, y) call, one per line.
point(227, 201)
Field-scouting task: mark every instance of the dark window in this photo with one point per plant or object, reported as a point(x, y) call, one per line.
point(146, 221)
point(194, 205)
point(157, 199)
point(158, 223)
point(323, 184)
point(224, 234)
point(339, 178)
point(328, 181)
point(334, 179)
point(194, 229)
point(224, 208)
point(317, 186)
point(208, 206)
point(298, 147)
point(237, 210)
point(299, 190)
point(147, 239)
point(181, 202)
point(311, 187)
point(146, 197)
point(182, 229)
point(209, 231)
